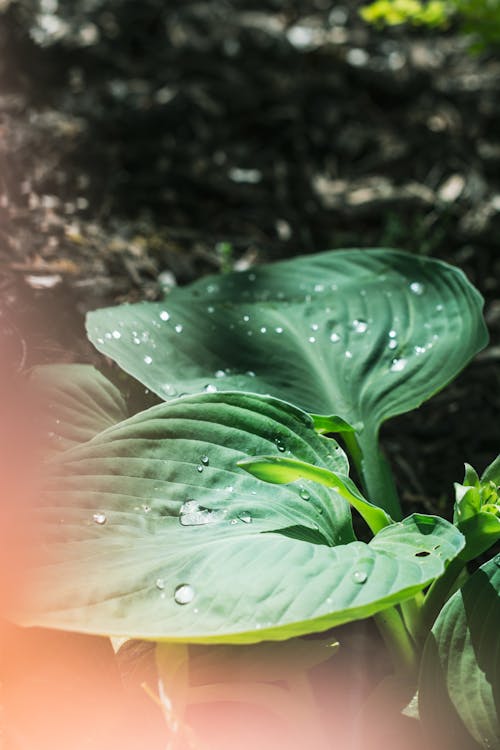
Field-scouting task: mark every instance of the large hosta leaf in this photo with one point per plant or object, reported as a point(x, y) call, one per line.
point(78, 403)
point(462, 658)
point(153, 531)
point(363, 334)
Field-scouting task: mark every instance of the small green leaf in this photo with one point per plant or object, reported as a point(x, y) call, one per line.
point(279, 470)
point(492, 472)
point(462, 659)
point(332, 424)
point(477, 510)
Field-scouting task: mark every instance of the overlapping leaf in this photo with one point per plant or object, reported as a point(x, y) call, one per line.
point(78, 403)
point(361, 334)
point(152, 531)
point(462, 658)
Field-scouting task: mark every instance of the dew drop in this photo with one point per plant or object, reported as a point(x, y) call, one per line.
point(169, 389)
point(184, 594)
point(204, 460)
point(99, 518)
point(398, 365)
point(334, 338)
point(279, 444)
point(116, 335)
point(160, 584)
point(246, 318)
point(108, 335)
point(245, 517)
point(393, 344)
point(311, 340)
point(304, 494)
point(192, 513)
point(319, 288)
point(360, 326)
point(392, 334)
point(146, 508)
point(263, 329)
point(439, 308)
point(178, 328)
point(359, 576)
point(348, 354)
point(279, 329)
point(148, 359)
point(199, 468)
point(314, 326)
point(210, 388)
point(220, 374)
point(250, 373)
point(164, 315)
point(210, 309)
point(416, 287)
point(419, 349)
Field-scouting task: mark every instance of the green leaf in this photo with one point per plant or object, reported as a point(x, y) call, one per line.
point(477, 509)
point(331, 424)
point(151, 530)
point(363, 334)
point(462, 658)
point(279, 470)
point(78, 403)
point(492, 472)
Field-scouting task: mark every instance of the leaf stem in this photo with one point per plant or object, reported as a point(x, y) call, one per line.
point(398, 642)
point(376, 476)
point(436, 597)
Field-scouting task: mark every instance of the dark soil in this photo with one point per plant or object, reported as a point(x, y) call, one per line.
point(146, 138)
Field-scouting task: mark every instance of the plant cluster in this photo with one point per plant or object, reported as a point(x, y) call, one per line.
point(475, 17)
point(223, 514)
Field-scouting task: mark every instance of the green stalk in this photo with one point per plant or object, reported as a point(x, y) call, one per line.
point(376, 476)
point(398, 642)
point(436, 597)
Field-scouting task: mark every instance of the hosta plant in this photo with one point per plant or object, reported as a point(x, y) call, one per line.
point(222, 517)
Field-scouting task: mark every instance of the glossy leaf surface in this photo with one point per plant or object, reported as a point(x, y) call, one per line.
point(78, 403)
point(462, 658)
point(153, 531)
point(361, 334)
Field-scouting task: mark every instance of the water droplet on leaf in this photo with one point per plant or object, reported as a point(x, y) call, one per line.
point(210, 388)
point(160, 584)
point(360, 326)
point(359, 576)
point(245, 517)
point(164, 315)
point(334, 338)
point(304, 494)
point(184, 593)
point(416, 287)
point(204, 460)
point(148, 359)
point(99, 518)
point(398, 365)
point(279, 444)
